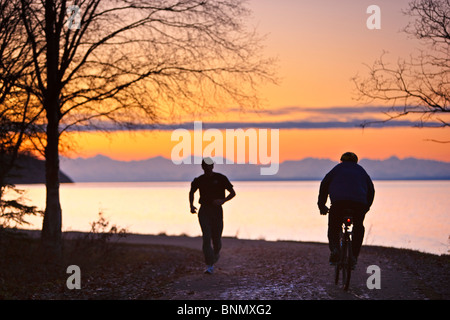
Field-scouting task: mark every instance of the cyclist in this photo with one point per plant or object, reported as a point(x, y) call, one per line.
point(349, 187)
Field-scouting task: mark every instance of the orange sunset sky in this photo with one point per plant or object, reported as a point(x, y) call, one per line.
point(320, 45)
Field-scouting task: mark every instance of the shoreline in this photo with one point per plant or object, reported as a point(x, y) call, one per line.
point(193, 242)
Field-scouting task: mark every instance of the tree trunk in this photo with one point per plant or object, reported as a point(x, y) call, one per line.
point(51, 229)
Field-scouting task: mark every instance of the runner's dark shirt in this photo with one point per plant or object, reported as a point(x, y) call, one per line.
point(211, 187)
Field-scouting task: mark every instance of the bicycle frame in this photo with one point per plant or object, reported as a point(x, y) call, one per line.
point(344, 263)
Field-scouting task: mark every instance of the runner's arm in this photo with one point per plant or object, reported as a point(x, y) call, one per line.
point(194, 188)
point(230, 196)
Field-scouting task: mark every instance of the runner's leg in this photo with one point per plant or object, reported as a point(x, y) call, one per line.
point(204, 217)
point(217, 228)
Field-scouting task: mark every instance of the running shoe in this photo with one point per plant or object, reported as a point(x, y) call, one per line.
point(209, 270)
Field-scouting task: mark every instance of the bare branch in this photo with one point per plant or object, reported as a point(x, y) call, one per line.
point(418, 86)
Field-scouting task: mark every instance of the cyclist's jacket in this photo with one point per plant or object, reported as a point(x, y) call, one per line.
point(347, 181)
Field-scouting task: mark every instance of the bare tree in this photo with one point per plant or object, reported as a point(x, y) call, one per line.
point(100, 64)
point(16, 111)
point(418, 85)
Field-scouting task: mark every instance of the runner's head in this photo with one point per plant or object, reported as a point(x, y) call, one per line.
point(207, 164)
point(350, 157)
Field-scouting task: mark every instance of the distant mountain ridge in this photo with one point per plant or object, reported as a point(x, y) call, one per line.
point(103, 169)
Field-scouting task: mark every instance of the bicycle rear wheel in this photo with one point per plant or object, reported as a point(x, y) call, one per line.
point(347, 266)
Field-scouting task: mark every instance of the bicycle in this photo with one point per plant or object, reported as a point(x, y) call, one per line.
point(345, 263)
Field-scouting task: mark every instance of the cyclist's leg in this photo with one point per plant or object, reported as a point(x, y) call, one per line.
point(358, 233)
point(334, 228)
point(358, 228)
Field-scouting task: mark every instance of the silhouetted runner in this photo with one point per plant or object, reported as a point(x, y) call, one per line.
point(349, 187)
point(212, 186)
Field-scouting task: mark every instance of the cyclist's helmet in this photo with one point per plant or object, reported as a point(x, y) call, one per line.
point(349, 156)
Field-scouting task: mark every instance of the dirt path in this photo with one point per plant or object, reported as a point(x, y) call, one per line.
point(145, 267)
point(293, 270)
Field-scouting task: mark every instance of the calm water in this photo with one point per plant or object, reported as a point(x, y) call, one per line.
point(405, 214)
